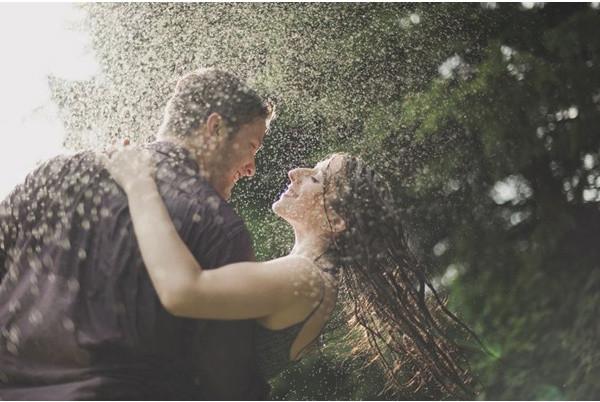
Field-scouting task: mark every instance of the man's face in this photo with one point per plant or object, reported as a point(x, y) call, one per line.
point(234, 156)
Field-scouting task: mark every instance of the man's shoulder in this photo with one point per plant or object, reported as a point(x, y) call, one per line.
point(202, 206)
point(58, 173)
point(210, 226)
point(52, 164)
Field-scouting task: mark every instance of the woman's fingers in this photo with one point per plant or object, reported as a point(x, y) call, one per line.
point(126, 164)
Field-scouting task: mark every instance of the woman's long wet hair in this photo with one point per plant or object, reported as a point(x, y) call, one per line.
point(401, 318)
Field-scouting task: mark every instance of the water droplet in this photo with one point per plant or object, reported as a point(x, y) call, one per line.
point(73, 285)
point(14, 334)
point(12, 348)
point(35, 264)
point(13, 306)
point(65, 244)
point(573, 112)
point(68, 324)
point(35, 317)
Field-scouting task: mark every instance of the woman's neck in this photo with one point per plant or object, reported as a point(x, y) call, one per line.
point(308, 243)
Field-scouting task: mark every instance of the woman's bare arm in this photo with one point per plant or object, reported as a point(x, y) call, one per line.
point(235, 291)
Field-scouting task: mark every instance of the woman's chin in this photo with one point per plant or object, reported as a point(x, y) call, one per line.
point(281, 210)
point(274, 208)
point(277, 208)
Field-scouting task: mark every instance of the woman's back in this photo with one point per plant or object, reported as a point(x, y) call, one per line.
point(277, 347)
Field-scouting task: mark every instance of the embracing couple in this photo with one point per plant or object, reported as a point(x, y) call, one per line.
point(127, 275)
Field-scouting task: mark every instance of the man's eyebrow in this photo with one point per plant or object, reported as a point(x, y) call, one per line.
point(261, 141)
point(258, 144)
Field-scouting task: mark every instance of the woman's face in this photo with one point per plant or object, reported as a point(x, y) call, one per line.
point(303, 201)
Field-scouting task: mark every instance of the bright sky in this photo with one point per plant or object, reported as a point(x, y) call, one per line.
point(35, 42)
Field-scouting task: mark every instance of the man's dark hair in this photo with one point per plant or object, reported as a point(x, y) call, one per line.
point(206, 91)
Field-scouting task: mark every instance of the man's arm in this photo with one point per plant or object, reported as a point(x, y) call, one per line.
point(12, 216)
point(13, 213)
point(18, 212)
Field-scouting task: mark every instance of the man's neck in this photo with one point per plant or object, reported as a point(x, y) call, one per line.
point(186, 144)
point(192, 147)
point(181, 142)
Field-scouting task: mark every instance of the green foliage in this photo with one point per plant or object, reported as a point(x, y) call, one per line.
point(484, 120)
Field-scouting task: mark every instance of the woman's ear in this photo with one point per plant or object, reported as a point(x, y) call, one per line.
point(338, 224)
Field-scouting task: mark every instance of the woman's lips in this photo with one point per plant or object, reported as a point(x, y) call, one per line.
point(290, 193)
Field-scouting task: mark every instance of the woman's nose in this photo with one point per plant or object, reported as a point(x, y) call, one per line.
point(293, 174)
point(296, 174)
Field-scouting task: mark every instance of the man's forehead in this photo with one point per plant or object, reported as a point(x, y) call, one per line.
point(262, 131)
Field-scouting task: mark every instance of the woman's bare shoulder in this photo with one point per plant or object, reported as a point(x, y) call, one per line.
point(291, 261)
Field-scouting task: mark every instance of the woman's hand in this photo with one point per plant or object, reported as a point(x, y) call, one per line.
point(129, 166)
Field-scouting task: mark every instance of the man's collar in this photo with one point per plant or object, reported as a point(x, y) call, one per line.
point(176, 152)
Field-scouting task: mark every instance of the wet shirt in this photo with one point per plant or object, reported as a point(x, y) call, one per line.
point(79, 317)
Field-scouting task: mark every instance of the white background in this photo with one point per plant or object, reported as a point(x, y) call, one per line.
point(36, 40)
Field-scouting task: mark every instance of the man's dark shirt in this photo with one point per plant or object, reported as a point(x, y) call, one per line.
point(79, 317)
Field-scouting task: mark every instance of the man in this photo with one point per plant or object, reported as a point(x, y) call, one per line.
point(79, 318)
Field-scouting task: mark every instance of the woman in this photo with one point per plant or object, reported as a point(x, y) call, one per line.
point(347, 235)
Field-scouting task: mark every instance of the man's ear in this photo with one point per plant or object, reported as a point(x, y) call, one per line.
point(214, 125)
